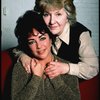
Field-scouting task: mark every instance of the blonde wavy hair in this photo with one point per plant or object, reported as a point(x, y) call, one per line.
point(68, 5)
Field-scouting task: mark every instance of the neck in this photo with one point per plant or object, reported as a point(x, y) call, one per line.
point(48, 59)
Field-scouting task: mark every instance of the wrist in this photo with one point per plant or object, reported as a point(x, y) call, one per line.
point(68, 68)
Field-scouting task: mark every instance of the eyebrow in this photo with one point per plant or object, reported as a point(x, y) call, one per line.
point(42, 35)
point(39, 36)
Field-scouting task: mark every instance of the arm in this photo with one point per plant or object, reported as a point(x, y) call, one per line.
point(88, 67)
point(17, 51)
point(66, 87)
point(23, 58)
point(24, 87)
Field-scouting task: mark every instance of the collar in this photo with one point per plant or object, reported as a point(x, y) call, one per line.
point(65, 34)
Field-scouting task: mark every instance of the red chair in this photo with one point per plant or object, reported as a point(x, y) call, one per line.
point(89, 89)
point(6, 71)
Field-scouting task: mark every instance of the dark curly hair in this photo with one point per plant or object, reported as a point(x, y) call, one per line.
point(26, 23)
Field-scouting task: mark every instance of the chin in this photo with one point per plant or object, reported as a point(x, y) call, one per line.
point(54, 33)
point(42, 57)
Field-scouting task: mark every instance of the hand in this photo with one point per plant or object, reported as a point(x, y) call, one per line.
point(26, 62)
point(56, 68)
point(37, 69)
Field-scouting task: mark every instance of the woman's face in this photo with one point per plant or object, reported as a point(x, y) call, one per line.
point(40, 44)
point(55, 19)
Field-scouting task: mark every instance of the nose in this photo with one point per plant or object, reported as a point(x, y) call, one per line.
point(52, 19)
point(38, 45)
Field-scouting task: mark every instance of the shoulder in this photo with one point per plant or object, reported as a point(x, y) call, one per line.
point(17, 66)
point(79, 28)
point(18, 69)
point(79, 25)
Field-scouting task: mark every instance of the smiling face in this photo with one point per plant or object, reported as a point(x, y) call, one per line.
point(55, 19)
point(40, 44)
point(56, 13)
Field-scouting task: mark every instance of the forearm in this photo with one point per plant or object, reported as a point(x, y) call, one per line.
point(84, 70)
point(88, 66)
point(23, 58)
point(17, 51)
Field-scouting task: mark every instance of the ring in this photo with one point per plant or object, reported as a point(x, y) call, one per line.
point(27, 70)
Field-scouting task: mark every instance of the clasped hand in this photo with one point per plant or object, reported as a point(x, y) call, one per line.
point(52, 69)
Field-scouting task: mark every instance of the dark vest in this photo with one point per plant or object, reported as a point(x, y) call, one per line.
point(71, 52)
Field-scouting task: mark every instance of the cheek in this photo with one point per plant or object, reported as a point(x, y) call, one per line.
point(48, 43)
point(63, 21)
point(32, 48)
point(62, 24)
point(46, 19)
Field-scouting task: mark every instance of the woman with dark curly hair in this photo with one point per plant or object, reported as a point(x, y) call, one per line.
point(36, 40)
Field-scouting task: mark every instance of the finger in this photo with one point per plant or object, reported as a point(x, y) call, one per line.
point(36, 62)
point(52, 74)
point(50, 69)
point(50, 63)
point(27, 68)
point(33, 63)
point(53, 63)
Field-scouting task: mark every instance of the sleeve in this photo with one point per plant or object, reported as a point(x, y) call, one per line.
point(23, 87)
point(66, 87)
point(88, 67)
point(17, 51)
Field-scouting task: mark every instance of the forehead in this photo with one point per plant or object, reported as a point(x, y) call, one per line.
point(52, 7)
point(51, 4)
point(55, 10)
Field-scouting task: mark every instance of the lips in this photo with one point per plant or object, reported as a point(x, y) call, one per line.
point(53, 27)
point(40, 52)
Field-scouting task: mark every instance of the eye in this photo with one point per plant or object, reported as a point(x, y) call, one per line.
point(31, 42)
point(45, 14)
point(42, 38)
point(58, 14)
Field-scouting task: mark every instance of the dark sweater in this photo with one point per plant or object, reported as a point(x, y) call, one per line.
point(31, 87)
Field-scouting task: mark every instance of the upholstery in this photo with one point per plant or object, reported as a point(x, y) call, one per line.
point(89, 89)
